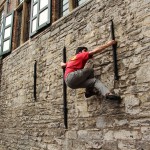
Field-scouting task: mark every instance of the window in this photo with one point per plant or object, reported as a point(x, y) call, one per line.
point(68, 5)
point(22, 23)
point(64, 7)
point(6, 36)
point(40, 15)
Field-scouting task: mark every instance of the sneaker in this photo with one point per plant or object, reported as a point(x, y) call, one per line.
point(113, 97)
point(90, 93)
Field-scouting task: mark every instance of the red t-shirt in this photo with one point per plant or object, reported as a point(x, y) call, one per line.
point(77, 62)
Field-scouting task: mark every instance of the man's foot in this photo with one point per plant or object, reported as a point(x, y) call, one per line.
point(111, 96)
point(90, 93)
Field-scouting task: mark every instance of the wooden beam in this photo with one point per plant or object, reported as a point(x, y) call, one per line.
point(24, 20)
point(71, 5)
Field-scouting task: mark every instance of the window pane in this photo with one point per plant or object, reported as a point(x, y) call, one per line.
point(34, 10)
point(81, 1)
point(8, 20)
point(6, 45)
point(66, 6)
point(34, 1)
point(66, 12)
point(34, 25)
point(7, 33)
point(65, 1)
point(43, 17)
point(43, 3)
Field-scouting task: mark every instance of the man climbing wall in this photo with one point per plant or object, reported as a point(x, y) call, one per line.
point(76, 76)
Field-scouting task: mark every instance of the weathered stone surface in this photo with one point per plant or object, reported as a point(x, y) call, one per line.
point(93, 144)
point(146, 133)
point(127, 135)
point(94, 123)
point(109, 136)
point(130, 102)
point(122, 145)
point(53, 147)
point(72, 135)
point(142, 145)
point(101, 122)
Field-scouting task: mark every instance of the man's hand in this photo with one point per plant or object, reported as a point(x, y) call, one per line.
point(112, 42)
point(63, 65)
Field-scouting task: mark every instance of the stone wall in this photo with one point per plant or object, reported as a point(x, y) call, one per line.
point(93, 123)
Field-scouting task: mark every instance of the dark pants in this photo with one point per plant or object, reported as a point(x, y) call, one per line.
point(84, 78)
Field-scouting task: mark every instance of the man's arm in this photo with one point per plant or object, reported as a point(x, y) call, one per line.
point(63, 65)
point(102, 47)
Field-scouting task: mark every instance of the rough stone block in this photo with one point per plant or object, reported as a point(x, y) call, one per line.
point(127, 135)
point(53, 147)
point(93, 144)
point(130, 102)
point(71, 135)
point(109, 135)
point(145, 133)
point(143, 74)
point(126, 145)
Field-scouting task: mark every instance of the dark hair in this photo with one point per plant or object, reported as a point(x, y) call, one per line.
point(79, 49)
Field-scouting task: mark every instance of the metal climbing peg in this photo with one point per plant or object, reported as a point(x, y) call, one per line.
point(116, 77)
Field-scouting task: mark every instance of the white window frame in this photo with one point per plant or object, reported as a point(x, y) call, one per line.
point(3, 39)
point(37, 16)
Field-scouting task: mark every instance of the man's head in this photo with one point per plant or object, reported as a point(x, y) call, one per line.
point(81, 49)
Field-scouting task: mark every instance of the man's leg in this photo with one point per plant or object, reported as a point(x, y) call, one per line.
point(95, 83)
point(101, 88)
point(82, 79)
point(75, 79)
